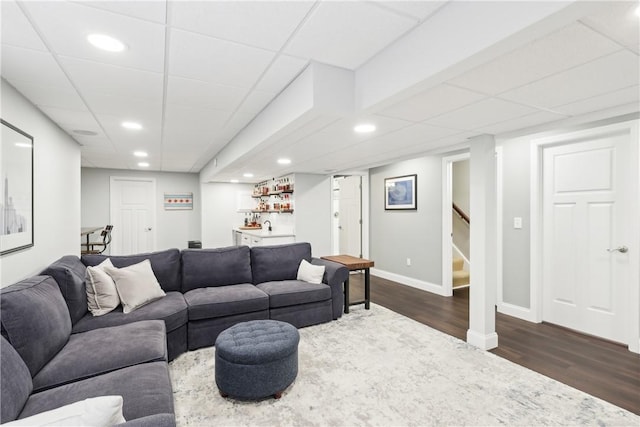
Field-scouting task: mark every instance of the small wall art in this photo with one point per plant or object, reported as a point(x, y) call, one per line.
point(178, 201)
point(400, 193)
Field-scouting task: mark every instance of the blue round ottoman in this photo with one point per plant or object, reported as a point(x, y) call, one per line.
point(256, 359)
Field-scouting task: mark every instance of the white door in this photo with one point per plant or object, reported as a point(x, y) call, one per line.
point(133, 215)
point(350, 216)
point(585, 277)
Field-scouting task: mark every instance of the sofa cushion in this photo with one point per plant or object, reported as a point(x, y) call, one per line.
point(36, 320)
point(294, 292)
point(172, 309)
point(102, 295)
point(203, 268)
point(165, 265)
point(15, 382)
point(207, 303)
point(96, 411)
point(271, 263)
point(69, 273)
point(104, 350)
point(145, 390)
point(136, 285)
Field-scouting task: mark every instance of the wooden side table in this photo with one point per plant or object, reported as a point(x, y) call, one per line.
point(353, 263)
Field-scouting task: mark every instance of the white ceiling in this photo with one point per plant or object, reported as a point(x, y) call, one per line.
point(197, 72)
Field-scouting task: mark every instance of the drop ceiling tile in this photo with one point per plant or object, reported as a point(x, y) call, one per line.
point(94, 77)
point(155, 10)
point(282, 72)
point(417, 9)
point(181, 117)
point(71, 119)
point(149, 136)
point(215, 61)
point(15, 28)
point(237, 122)
point(94, 142)
point(617, 19)
point(562, 50)
point(256, 101)
point(196, 93)
point(125, 108)
point(347, 34)
point(31, 66)
point(603, 75)
point(481, 114)
point(49, 96)
point(265, 24)
point(522, 122)
point(624, 96)
point(67, 25)
point(432, 102)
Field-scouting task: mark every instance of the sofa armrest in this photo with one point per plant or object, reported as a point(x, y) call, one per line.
point(334, 275)
point(157, 420)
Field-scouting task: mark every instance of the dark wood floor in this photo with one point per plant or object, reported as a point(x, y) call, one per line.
point(598, 367)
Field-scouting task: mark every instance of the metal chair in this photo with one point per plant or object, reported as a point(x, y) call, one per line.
point(106, 239)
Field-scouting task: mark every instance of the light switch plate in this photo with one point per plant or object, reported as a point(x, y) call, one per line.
point(517, 222)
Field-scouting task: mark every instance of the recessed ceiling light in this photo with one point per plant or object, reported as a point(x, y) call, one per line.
point(143, 164)
point(140, 153)
point(284, 161)
point(84, 132)
point(364, 128)
point(131, 125)
point(105, 42)
point(247, 175)
point(234, 181)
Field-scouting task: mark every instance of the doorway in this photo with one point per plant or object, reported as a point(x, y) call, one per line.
point(456, 223)
point(586, 261)
point(133, 215)
point(347, 215)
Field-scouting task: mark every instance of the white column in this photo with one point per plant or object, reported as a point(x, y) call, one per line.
point(483, 243)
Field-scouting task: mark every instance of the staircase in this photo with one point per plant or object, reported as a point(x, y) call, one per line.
point(461, 277)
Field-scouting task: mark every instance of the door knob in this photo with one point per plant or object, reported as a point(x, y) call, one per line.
point(621, 249)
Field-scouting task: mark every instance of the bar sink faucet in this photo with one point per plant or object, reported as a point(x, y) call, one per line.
point(267, 221)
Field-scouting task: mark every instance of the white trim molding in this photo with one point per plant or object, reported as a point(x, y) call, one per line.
point(516, 311)
point(409, 281)
point(483, 342)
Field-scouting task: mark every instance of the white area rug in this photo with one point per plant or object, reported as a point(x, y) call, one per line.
point(378, 368)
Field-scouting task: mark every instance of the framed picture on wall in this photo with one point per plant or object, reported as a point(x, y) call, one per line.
point(16, 175)
point(400, 193)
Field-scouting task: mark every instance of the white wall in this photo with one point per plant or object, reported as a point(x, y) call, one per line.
point(219, 212)
point(56, 190)
point(313, 212)
point(415, 234)
point(173, 228)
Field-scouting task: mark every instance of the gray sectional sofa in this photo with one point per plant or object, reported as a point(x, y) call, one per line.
point(55, 352)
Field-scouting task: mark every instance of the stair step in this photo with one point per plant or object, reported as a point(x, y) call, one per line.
point(458, 264)
point(460, 278)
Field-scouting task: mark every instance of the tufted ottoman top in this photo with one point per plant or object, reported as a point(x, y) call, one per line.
point(257, 342)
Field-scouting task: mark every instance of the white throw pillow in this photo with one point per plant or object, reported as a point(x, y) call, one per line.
point(308, 272)
point(136, 285)
point(95, 412)
point(102, 295)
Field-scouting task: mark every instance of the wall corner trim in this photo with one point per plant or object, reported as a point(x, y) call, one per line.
point(482, 341)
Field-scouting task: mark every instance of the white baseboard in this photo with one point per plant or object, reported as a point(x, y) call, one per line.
point(635, 348)
point(409, 281)
point(482, 341)
point(517, 311)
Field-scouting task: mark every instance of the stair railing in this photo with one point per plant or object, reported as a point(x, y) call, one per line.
point(461, 214)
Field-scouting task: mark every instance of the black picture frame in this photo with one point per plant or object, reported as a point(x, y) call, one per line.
point(401, 193)
point(16, 182)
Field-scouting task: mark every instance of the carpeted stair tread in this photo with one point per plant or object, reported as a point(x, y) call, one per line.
point(458, 264)
point(460, 278)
